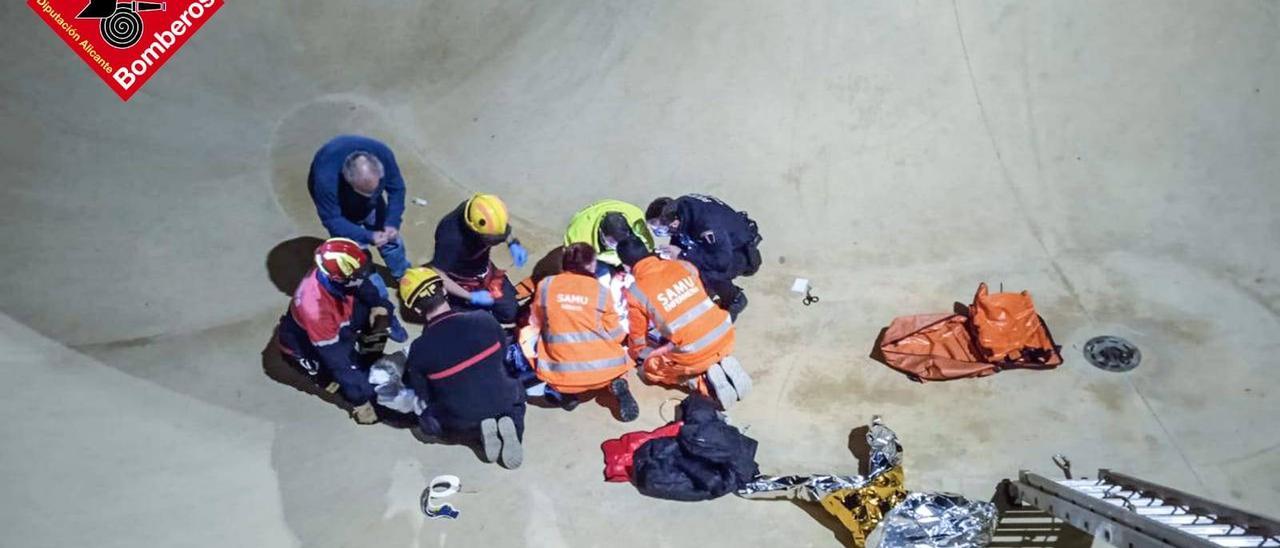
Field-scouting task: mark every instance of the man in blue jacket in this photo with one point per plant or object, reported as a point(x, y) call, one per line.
point(359, 195)
point(719, 240)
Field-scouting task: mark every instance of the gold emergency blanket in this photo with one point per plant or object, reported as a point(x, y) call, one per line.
point(860, 503)
point(861, 509)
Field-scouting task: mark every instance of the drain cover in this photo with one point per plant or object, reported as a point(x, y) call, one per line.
point(1112, 353)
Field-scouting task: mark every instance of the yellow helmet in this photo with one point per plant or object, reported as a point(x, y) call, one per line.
point(486, 215)
point(420, 283)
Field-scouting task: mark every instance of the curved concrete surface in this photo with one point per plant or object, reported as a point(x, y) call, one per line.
point(1118, 159)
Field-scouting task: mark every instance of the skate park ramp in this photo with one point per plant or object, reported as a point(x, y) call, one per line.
point(1117, 159)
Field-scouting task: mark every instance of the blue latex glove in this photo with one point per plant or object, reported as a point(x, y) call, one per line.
point(519, 255)
point(398, 333)
point(519, 366)
point(481, 298)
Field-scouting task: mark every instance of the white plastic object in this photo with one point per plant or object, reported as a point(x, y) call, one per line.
point(801, 286)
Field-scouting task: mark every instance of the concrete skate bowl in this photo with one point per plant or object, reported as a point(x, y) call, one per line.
point(1116, 159)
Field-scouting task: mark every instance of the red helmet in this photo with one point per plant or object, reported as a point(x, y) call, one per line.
point(341, 259)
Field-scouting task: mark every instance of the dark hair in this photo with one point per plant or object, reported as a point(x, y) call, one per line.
point(577, 259)
point(425, 306)
point(614, 225)
point(632, 251)
point(656, 208)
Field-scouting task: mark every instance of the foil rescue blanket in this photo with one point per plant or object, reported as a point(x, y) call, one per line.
point(859, 502)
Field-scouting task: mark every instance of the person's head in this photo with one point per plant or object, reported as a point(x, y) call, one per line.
point(486, 216)
point(342, 262)
point(422, 290)
point(363, 171)
point(632, 251)
point(579, 258)
point(613, 229)
point(661, 216)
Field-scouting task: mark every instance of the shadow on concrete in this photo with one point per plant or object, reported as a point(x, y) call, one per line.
point(469, 442)
point(822, 516)
point(861, 449)
point(1029, 527)
point(278, 369)
point(290, 260)
point(1032, 528)
point(604, 398)
point(876, 354)
point(862, 453)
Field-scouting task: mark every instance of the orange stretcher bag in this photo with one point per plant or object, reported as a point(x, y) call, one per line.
point(1000, 331)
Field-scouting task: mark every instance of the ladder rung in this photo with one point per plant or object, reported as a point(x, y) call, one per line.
point(1159, 511)
point(1207, 529)
point(1181, 519)
point(1075, 484)
point(1151, 502)
point(1095, 488)
point(1241, 540)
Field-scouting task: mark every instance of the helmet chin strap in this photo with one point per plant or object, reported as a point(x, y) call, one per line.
point(337, 287)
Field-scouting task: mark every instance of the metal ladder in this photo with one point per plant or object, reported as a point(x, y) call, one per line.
point(1128, 512)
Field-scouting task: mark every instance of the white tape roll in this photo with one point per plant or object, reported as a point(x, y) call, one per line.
point(443, 486)
point(440, 488)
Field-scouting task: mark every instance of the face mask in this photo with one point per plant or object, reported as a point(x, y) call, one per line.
point(660, 231)
point(610, 243)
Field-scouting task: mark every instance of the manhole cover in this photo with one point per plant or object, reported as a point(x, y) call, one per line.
point(1112, 353)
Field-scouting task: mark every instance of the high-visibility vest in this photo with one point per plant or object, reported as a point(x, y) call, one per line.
point(580, 339)
point(584, 227)
point(671, 296)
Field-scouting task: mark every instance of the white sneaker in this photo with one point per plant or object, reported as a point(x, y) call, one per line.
point(721, 388)
point(738, 376)
point(512, 451)
point(489, 439)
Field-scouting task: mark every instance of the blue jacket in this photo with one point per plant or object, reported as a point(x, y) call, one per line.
point(345, 213)
point(709, 233)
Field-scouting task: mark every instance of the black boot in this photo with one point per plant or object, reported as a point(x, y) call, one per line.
point(738, 304)
point(568, 402)
point(628, 409)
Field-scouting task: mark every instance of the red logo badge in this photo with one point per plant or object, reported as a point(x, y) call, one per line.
point(125, 41)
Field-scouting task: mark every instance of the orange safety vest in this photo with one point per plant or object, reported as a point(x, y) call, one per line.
point(670, 296)
point(580, 338)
